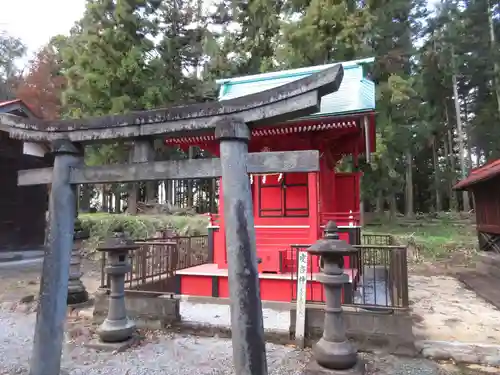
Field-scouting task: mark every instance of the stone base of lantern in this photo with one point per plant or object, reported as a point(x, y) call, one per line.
point(77, 297)
point(313, 368)
point(97, 344)
point(114, 331)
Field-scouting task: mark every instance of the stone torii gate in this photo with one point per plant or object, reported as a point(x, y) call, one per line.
point(231, 121)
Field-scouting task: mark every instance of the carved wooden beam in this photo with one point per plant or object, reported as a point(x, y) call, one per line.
point(287, 102)
point(262, 162)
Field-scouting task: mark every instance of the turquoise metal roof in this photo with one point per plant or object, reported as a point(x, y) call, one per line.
point(356, 92)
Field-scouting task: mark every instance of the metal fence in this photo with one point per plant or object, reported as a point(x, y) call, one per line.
point(378, 239)
point(378, 274)
point(155, 262)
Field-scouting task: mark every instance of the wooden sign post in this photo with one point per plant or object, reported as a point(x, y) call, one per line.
point(300, 316)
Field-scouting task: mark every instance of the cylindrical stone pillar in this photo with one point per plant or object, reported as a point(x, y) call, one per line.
point(51, 314)
point(117, 327)
point(249, 350)
point(334, 351)
point(76, 290)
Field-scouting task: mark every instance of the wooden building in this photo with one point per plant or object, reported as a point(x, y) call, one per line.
point(483, 183)
point(293, 208)
point(22, 209)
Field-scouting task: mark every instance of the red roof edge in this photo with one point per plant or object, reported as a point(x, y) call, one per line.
point(481, 174)
point(20, 102)
point(8, 102)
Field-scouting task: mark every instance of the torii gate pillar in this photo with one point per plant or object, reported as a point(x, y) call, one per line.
point(51, 314)
point(249, 350)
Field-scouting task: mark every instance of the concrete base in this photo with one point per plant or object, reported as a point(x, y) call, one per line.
point(97, 344)
point(313, 368)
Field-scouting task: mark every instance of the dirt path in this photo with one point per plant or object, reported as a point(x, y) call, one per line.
point(19, 280)
point(445, 309)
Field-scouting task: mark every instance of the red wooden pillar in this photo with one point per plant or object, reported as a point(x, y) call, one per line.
point(313, 188)
point(220, 245)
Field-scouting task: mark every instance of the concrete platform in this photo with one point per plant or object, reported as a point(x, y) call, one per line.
point(21, 259)
point(116, 347)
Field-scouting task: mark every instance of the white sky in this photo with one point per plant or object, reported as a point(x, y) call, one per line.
point(36, 21)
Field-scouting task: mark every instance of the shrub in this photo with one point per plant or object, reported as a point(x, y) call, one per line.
point(101, 225)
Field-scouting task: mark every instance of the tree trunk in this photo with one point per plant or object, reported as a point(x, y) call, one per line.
point(448, 144)
point(104, 199)
point(409, 210)
point(213, 200)
point(437, 177)
point(379, 203)
point(461, 147)
point(85, 198)
point(133, 190)
point(110, 200)
point(190, 192)
point(168, 192)
point(151, 191)
point(496, 67)
point(393, 207)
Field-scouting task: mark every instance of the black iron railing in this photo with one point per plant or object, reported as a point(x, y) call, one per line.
point(378, 274)
point(155, 262)
point(383, 276)
point(378, 239)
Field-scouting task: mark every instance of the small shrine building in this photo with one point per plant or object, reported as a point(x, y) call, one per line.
point(293, 208)
point(483, 182)
point(22, 208)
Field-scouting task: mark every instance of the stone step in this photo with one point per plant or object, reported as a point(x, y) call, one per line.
point(16, 256)
point(489, 258)
point(489, 264)
point(482, 285)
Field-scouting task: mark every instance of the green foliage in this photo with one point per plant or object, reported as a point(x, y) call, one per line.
point(431, 238)
point(101, 225)
point(11, 50)
point(138, 54)
point(328, 30)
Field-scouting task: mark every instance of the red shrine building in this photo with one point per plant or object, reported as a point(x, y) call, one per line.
point(292, 208)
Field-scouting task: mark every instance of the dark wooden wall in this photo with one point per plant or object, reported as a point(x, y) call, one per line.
point(487, 205)
point(22, 209)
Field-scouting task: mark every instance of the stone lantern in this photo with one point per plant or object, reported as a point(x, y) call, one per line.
point(76, 290)
point(333, 353)
point(117, 327)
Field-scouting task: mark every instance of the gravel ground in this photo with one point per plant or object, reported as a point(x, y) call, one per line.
point(220, 315)
point(174, 355)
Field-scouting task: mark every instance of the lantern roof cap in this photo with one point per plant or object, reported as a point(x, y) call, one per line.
point(118, 241)
point(331, 243)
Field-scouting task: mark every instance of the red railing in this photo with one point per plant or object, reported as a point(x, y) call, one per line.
point(341, 218)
